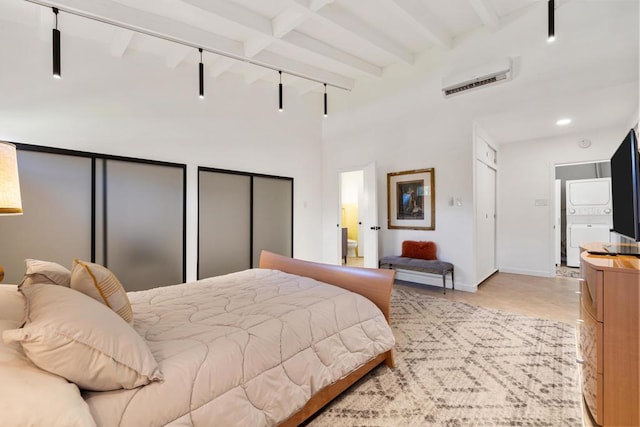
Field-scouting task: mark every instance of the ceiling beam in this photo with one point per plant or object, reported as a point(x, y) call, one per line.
point(416, 12)
point(221, 65)
point(255, 45)
point(234, 13)
point(486, 13)
point(120, 42)
point(286, 21)
point(316, 5)
point(305, 71)
point(324, 50)
point(304, 86)
point(176, 54)
point(282, 25)
point(338, 17)
point(255, 74)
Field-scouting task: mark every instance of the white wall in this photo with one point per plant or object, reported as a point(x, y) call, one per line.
point(425, 137)
point(137, 106)
point(402, 122)
point(527, 173)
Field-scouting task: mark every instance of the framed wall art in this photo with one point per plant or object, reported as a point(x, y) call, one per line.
point(411, 202)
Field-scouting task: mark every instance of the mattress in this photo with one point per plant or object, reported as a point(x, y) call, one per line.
point(248, 348)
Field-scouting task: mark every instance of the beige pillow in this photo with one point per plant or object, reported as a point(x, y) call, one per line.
point(45, 272)
point(30, 396)
point(73, 336)
point(101, 285)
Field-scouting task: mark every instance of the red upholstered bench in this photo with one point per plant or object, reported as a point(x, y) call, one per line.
point(420, 256)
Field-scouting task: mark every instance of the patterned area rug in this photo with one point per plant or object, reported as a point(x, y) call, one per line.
point(463, 365)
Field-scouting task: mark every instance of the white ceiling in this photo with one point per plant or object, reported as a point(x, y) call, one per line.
point(347, 42)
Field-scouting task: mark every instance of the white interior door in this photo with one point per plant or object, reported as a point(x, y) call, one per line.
point(370, 227)
point(486, 221)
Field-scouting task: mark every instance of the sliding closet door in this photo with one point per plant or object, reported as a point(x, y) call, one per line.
point(56, 224)
point(144, 223)
point(224, 232)
point(272, 216)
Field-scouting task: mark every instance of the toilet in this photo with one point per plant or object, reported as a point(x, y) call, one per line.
point(352, 245)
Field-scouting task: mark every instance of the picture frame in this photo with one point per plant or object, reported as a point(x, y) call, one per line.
point(411, 203)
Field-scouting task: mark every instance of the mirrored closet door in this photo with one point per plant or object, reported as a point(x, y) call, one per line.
point(56, 191)
point(239, 215)
point(126, 214)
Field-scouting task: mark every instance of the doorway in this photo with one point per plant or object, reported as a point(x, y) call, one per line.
point(351, 205)
point(357, 237)
point(572, 226)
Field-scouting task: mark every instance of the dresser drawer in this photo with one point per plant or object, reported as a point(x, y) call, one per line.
point(592, 288)
point(592, 363)
point(591, 339)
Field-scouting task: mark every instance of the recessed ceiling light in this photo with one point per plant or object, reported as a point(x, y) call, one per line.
point(563, 122)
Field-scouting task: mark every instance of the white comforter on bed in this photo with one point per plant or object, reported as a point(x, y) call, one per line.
point(245, 349)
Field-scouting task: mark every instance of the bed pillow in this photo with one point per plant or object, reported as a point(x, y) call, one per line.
point(30, 396)
point(45, 272)
point(101, 285)
point(419, 250)
point(73, 336)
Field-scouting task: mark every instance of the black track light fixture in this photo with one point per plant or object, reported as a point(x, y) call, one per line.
point(325, 100)
point(201, 75)
point(280, 92)
point(551, 17)
point(56, 48)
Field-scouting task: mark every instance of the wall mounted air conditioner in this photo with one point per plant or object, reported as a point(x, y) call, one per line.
point(485, 75)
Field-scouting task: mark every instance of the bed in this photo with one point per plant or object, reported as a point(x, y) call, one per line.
point(267, 346)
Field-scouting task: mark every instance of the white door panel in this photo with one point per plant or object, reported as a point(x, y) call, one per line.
point(485, 221)
point(370, 225)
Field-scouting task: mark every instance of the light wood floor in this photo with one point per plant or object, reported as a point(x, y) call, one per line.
point(552, 298)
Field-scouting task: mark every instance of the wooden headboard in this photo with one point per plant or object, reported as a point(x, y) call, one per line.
point(374, 284)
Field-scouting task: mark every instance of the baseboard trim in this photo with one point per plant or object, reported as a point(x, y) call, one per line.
point(539, 273)
point(431, 280)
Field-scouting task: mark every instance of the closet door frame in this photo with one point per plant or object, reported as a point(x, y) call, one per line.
point(104, 157)
point(251, 176)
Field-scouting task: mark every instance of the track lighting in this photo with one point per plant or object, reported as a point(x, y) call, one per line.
point(551, 13)
point(201, 73)
point(56, 48)
point(325, 100)
point(280, 92)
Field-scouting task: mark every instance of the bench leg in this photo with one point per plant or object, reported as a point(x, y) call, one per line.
point(444, 282)
point(453, 284)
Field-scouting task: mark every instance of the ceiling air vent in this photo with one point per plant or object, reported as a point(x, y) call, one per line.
point(489, 74)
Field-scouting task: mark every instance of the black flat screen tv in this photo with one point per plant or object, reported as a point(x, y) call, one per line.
point(625, 188)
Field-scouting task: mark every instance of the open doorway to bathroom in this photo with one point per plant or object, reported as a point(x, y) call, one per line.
point(583, 211)
point(351, 207)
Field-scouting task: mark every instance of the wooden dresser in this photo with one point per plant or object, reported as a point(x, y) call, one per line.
point(609, 337)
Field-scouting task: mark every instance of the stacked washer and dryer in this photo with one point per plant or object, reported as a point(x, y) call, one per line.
point(589, 211)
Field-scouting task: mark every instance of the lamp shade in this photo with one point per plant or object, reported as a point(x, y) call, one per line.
point(10, 201)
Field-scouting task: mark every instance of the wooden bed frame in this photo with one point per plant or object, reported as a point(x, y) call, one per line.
point(374, 284)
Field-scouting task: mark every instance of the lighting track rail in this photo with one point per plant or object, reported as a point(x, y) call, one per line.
point(186, 43)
